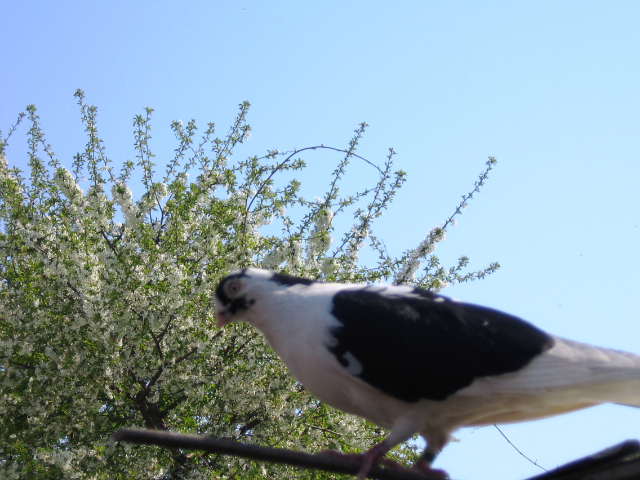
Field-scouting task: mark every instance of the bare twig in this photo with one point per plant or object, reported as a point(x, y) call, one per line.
point(278, 455)
point(325, 430)
point(535, 463)
point(22, 365)
point(482, 177)
point(290, 155)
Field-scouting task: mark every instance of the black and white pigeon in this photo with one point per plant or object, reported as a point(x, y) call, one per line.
point(415, 362)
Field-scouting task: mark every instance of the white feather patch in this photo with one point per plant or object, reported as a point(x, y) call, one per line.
point(354, 367)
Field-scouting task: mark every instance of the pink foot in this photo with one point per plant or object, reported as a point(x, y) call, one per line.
point(371, 457)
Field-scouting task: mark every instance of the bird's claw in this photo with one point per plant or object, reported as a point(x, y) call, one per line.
point(367, 461)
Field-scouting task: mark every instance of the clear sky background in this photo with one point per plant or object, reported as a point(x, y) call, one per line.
point(551, 89)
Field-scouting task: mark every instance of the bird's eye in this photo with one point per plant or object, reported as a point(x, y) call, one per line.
point(233, 288)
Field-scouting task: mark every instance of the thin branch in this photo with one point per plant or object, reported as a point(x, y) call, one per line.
point(535, 463)
point(166, 328)
point(163, 413)
point(277, 168)
point(156, 341)
point(218, 445)
point(155, 377)
point(465, 198)
point(245, 428)
point(325, 430)
point(111, 245)
point(186, 355)
point(22, 365)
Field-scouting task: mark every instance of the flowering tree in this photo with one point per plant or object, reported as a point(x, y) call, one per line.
point(106, 314)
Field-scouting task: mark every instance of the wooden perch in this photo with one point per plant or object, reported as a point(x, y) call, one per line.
point(256, 452)
point(621, 462)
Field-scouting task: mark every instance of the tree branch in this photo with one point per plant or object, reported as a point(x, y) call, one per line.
point(517, 450)
point(325, 430)
point(22, 365)
point(186, 355)
point(255, 452)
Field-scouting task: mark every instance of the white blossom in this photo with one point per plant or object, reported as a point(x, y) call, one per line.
point(67, 184)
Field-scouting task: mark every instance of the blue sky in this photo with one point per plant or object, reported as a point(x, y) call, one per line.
point(551, 89)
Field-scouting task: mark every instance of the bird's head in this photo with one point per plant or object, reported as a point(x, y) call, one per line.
point(233, 296)
point(243, 294)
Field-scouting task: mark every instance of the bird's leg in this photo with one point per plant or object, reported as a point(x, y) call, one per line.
point(400, 432)
point(423, 465)
point(372, 457)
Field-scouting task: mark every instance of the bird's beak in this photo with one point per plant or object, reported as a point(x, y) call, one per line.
point(222, 318)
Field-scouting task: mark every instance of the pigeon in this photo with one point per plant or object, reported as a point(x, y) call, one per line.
point(416, 362)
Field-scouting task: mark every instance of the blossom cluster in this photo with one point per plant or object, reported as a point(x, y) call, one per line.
point(415, 257)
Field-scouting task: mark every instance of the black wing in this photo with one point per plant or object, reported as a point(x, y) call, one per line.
point(424, 346)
